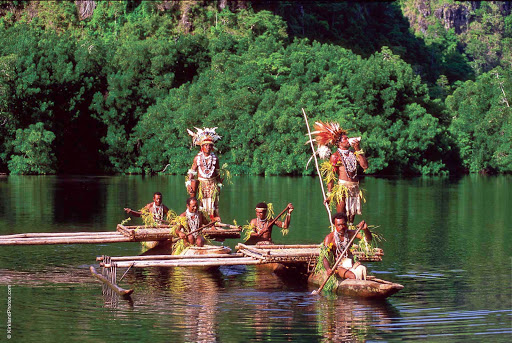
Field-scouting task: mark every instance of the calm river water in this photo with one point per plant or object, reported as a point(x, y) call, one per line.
point(447, 241)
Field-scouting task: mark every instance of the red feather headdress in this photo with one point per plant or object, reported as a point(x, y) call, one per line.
point(328, 133)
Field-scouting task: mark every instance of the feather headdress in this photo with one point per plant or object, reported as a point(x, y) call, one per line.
point(328, 133)
point(204, 136)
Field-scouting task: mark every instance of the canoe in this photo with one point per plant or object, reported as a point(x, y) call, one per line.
point(371, 288)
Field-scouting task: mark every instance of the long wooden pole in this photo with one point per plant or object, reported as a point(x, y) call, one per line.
point(194, 263)
point(167, 257)
point(64, 240)
point(194, 231)
point(317, 168)
point(338, 261)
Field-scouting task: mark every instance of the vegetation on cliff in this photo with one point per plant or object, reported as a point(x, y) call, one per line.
point(113, 86)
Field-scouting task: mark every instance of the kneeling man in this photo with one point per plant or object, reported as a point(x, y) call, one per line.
point(337, 241)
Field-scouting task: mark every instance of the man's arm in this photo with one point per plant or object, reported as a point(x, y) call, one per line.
point(287, 219)
point(363, 162)
point(327, 243)
point(217, 170)
point(137, 213)
point(366, 230)
point(192, 175)
point(181, 229)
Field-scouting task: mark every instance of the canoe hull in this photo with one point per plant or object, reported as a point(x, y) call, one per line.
point(370, 289)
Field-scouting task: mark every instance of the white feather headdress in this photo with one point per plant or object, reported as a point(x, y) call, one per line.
point(204, 135)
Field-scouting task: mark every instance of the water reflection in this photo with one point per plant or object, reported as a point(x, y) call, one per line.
point(346, 319)
point(447, 241)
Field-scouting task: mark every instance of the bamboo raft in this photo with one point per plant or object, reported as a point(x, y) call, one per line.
point(301, 258)
point(247, 255)
point(123, 234)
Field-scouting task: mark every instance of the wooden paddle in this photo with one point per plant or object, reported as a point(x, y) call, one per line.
point(333, 269)
point(272, 222)
point(174, 240)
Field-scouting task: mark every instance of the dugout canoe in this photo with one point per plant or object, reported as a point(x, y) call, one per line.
point(371, 288)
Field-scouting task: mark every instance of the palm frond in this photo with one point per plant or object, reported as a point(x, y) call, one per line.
point(246, 231)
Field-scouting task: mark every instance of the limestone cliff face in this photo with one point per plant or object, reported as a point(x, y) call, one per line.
point(454, 16)
point(457, 16)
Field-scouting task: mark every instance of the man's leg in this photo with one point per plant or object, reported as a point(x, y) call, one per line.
point(345, 273)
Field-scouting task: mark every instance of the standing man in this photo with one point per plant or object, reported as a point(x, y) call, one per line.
point(157, 208)
point(204, 181)
point(262, 232)
point(337, 241)
point(195, 219)
point(344, 165)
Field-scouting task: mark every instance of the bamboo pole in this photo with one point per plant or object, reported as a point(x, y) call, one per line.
point(181, 263)
point(167, 257)
point(54, 234)
point(252, 254)
point(2, 239)
point(317, 168)
point(295, 254)
point(283, 246)
point(70, 240)
point(121, 291)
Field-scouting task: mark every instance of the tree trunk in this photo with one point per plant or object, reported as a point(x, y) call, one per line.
point(85, 8)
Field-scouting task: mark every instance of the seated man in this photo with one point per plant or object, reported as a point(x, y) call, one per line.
point(337, 241)
point(262, 231)
point(157, 208)
point(195, 219)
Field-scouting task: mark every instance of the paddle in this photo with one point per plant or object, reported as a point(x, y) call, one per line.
point(316, 164)
point(333, 269)
point(273, 221)
point(174, 240)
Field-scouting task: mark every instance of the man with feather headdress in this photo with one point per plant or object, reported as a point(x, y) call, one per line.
point(340, 172)
point(204, 180)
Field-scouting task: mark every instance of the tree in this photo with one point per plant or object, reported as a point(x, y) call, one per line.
point(32, 149)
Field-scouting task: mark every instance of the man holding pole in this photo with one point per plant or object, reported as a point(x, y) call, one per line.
point(157, 208)
point(343, 164)
point(262, 232)
point(195, 219)
point(339, 242)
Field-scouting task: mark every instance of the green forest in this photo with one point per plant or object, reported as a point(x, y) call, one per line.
point(104, 87)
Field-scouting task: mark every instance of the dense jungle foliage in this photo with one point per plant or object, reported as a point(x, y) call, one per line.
point(112, 88)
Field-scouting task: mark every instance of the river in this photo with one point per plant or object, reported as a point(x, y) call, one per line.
point(448, 241)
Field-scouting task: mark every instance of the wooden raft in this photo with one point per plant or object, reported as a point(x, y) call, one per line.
point(211, 260)
point(247, 255)
point(160, 233)
point(123, 234)
point(44, 238)
point(296, 253)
